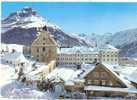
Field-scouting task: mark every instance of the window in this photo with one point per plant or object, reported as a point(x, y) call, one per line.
point(44, 38)
point(37, 55)
point(96, 74)
point(43, 43)
point(96, 82)
point(37, 49)
point(103, 74)
point(43, 48)
point(89, 82)
point(110, 83)
point(103, 82)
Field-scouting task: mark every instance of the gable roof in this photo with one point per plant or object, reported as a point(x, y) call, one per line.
point(48, 39)
point(115, 75)
point(87, 68)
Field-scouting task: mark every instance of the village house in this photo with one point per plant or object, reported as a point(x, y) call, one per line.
point(100, 81)
point(15, 58)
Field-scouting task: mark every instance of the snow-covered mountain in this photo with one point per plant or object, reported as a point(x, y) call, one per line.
point(97, 39)
point(125, 40)
point(21, 28)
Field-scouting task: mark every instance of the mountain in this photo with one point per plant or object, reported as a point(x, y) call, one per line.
point(125, 40)
point(97, 39)
point(21, 27)
point(124, 37)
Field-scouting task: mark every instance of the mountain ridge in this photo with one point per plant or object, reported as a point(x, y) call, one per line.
point(27, 21)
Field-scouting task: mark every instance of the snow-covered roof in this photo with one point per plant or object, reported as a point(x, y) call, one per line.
point(121, 78)
point(133, 76)
point(109, 47)
point(10, 47)
point(78, 49)
point(85, 69)
point(38, 70)
point(63, 73)
point(15, 56)
point(114, 89)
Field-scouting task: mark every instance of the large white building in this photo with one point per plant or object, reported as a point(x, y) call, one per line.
point(78, 55)
point(109, 54)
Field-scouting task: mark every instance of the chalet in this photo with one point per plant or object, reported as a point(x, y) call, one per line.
point(100, 80)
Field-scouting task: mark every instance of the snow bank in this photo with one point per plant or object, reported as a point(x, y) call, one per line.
point(15, 89)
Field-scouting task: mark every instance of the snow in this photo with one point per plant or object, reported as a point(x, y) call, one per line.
point(15, 89)
point(6, 73)
point(120, 77)
point(10, 47)
point(70, 75)
point(10, 88)
point(15, 56)
point(109, 47)
point(133, 76)
point(27, 21)
point(78, 49)
point(63, 73)
point(114, 89)
point(38, 70)
point(129, 73)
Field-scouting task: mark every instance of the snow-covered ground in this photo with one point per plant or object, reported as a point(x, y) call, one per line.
point(11, 88)
point(10, 47)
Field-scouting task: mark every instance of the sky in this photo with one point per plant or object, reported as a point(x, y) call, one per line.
point(82, 17)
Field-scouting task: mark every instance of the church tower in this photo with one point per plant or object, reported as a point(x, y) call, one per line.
point(44, 47)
